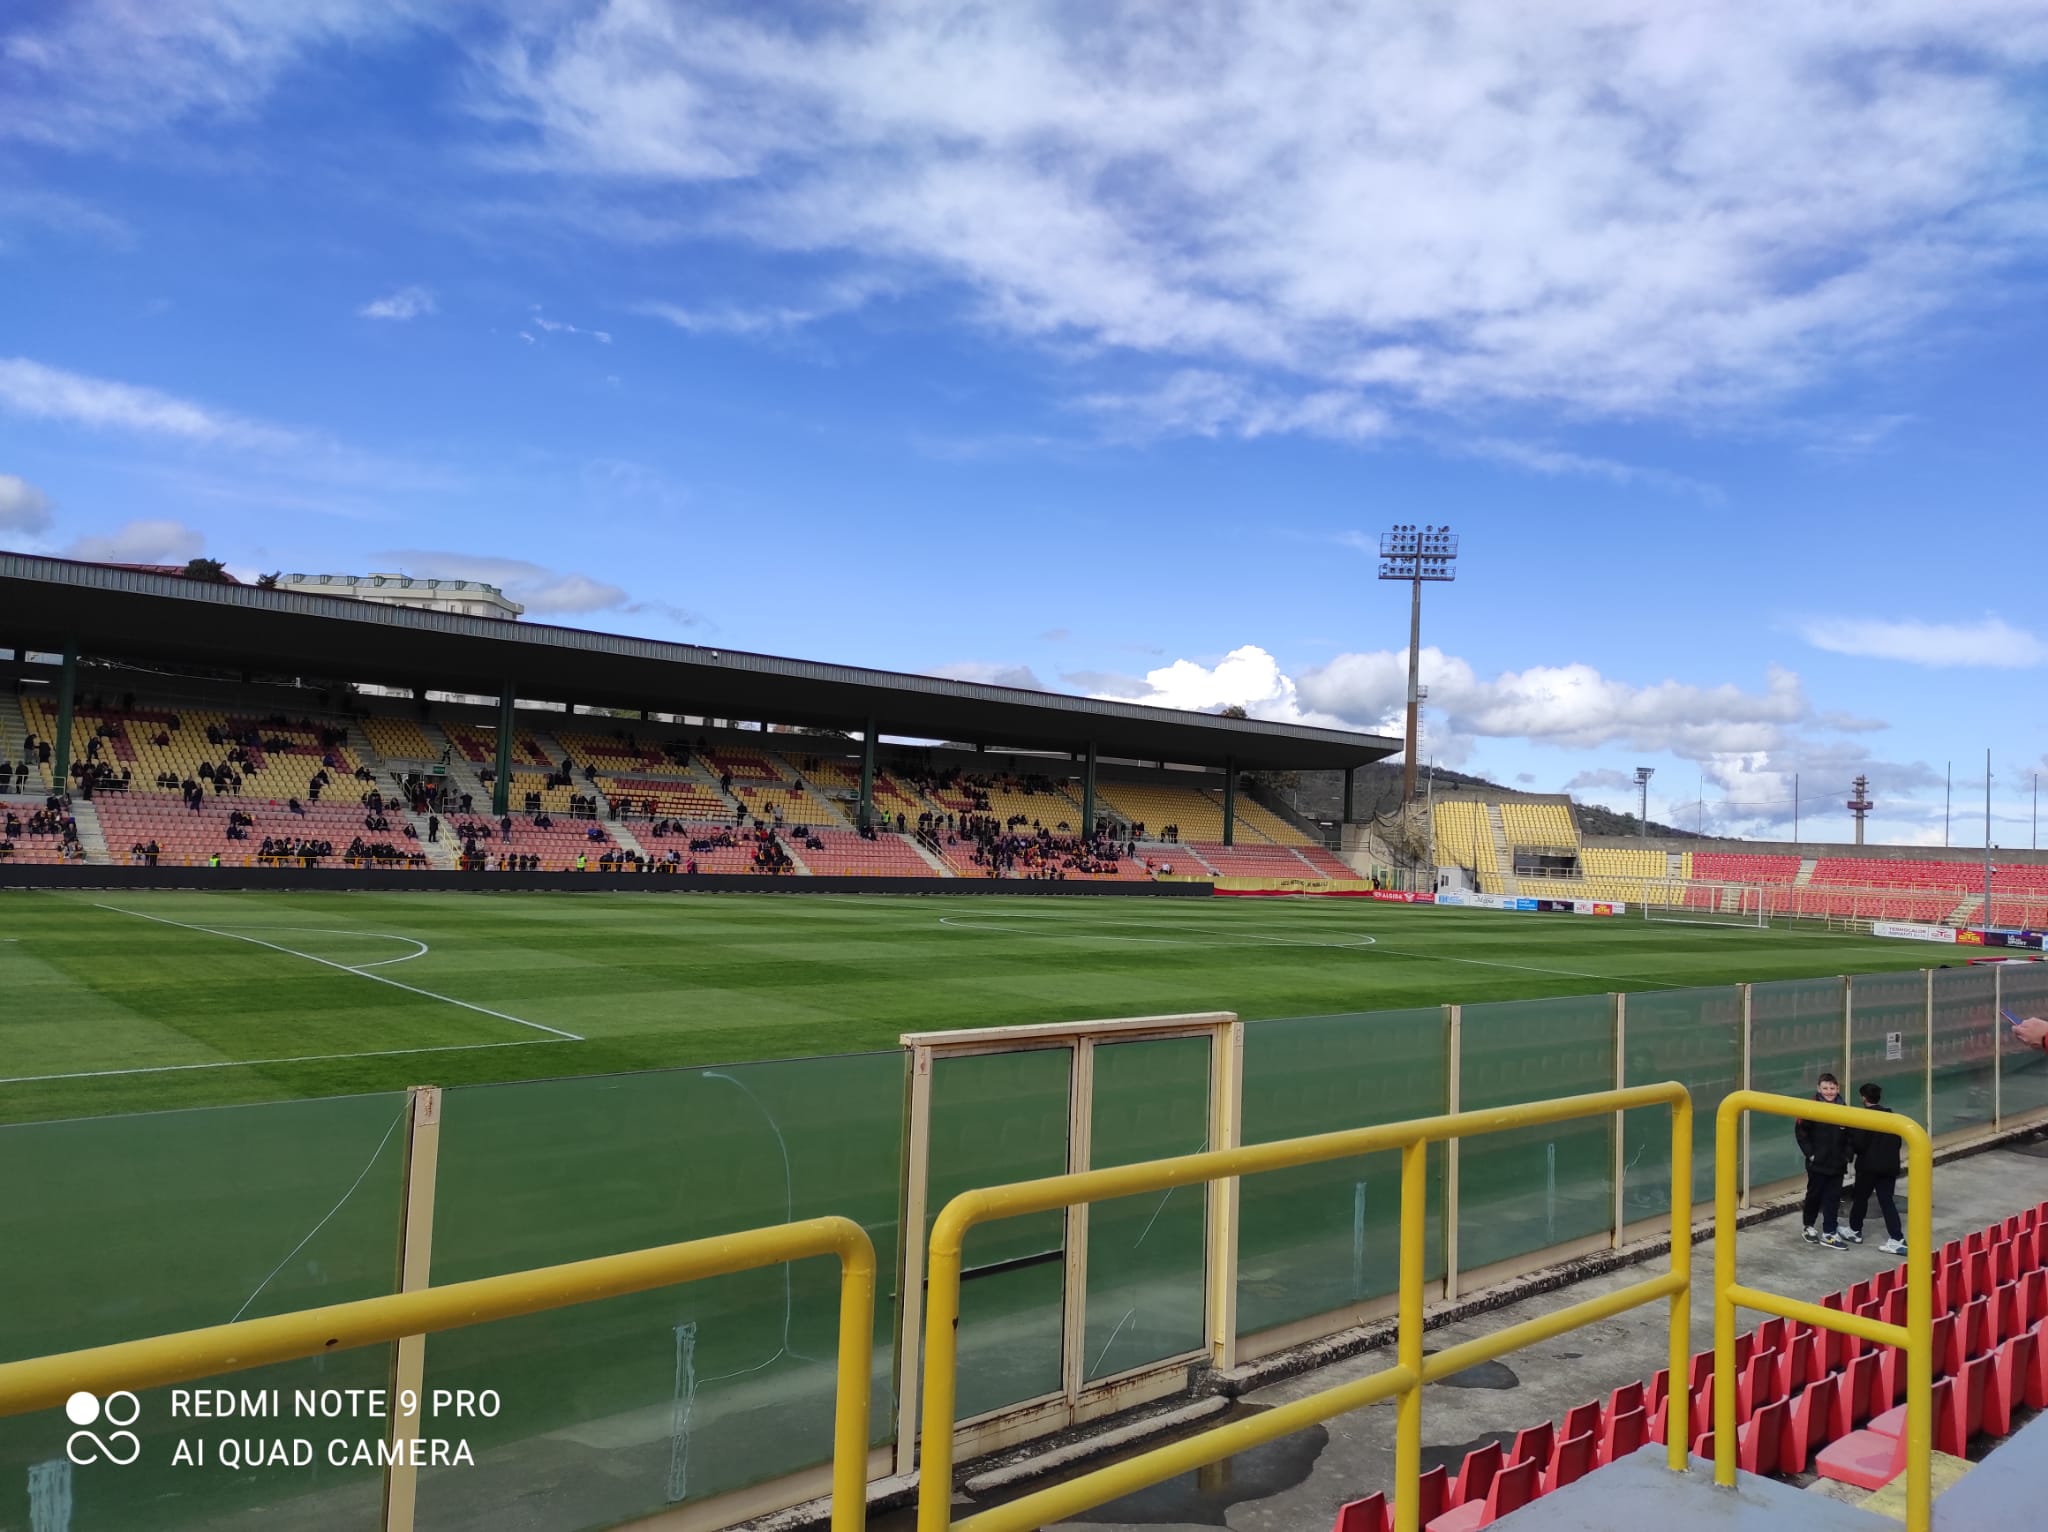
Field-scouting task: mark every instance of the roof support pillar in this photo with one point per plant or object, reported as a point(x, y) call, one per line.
point(67, 687)
point(1230, 801)
point(501, 786)
point(1088, 793)
point(867, 774)
point(1350, 781)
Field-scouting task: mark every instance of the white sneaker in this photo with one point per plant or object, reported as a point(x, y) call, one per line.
point(1833, 1242)
point(1812, 1234)
point(1893, 1247)
point(1853, 1236)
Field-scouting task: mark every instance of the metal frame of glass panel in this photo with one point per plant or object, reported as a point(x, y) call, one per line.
point(1078, 1397)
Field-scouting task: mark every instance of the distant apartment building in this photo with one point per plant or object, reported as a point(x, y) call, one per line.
point(468, 598)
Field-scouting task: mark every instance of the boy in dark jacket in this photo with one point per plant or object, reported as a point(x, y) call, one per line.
point(1826, 1148)
point(1877, 1172)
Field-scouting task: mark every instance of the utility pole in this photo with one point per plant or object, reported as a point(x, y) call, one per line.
point(1987, 840)
point(1795, 808)
point(1416, 554)
point(1948, 794)
point(1643, 775)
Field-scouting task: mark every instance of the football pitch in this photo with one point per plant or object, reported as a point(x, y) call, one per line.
point(121, 1002)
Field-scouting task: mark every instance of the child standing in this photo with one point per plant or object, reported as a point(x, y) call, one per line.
point(1826, 1148)
point(1877, 1172)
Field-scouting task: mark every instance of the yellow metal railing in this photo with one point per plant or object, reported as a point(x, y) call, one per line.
point(1915, 1338)
point(46, 1382)
point(1406, 1378)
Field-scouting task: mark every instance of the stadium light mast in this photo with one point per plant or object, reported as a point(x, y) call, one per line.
point(1643, 775)
point(1416, 554)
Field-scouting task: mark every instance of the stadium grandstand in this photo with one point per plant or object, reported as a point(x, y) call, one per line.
point(177, 723)
point(1530, 845)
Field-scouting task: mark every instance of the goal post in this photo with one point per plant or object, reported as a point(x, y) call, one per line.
point(1697, 902)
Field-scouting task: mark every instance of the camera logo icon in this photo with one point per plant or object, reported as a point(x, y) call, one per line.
point(119, 1409)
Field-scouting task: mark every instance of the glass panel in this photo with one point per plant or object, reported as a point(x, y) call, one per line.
point(1966, 1030)
point(997, 1118)
point(1795, 1033)
point(1316, 1238)
point(116, 1228)
point(1145, 1254)
point(1693, 1036)
point(686, 1391)
point(1888, 1040)
point(2023, 1084)
point(1532, 1188)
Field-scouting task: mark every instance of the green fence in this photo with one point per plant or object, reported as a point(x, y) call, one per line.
point(131, 1226)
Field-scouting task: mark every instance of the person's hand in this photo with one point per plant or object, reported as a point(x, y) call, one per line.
point(2033, 1032)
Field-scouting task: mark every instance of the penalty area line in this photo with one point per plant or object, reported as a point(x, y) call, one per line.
point(378, 978)
point(303, 1058)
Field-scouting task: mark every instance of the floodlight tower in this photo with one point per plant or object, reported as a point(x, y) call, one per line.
point(1859, 804)
point(1416, 554)
point(1643, 775)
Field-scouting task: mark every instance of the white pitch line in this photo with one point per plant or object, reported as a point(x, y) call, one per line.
point(303, 1058)
point(482, 1010)
point(381, 936)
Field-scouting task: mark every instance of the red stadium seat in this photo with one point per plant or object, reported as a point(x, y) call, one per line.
point(1534, 1442)
point(1572, 1461)
point(1622, 1435)
point(1810, 1425)
point(1371, 1514)
point(1475, 1474)
point(1509, 1490)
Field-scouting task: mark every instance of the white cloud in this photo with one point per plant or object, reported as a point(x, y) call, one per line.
point(1247, 677)
point(102, 70)
point(1567, 705)
point(1616, 206)
point(23, 507)
point(1992, 642)
point(142, 542)
point(49, 393)
point(406, 303)
point(1205, 403)
point(563, 327)
point(989, 674)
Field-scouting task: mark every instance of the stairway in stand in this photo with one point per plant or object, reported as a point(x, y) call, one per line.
point(92, 836)
point(1503, 857)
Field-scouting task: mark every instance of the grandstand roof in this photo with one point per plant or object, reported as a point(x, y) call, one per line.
point(150, 618)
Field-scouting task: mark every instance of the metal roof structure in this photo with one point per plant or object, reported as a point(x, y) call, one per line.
point(149, 618)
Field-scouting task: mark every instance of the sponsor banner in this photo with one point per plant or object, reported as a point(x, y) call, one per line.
point(1398, 896)
point(1907, 931)
point(1969, 938)
point(1523, 904)
point(2030, 941)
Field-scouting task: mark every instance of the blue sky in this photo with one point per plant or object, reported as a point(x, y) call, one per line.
point(1078, 347)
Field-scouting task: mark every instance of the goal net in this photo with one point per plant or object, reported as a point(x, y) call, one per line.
point(1692, 902)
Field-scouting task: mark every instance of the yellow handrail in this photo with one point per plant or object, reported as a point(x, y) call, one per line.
point(44, 1382)
point(1915, 1338)
point(1406, 1378)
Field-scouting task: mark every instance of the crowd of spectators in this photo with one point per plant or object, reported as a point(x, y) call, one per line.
point(52, 821)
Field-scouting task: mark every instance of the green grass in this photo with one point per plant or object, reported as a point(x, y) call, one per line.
point(646, 981)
